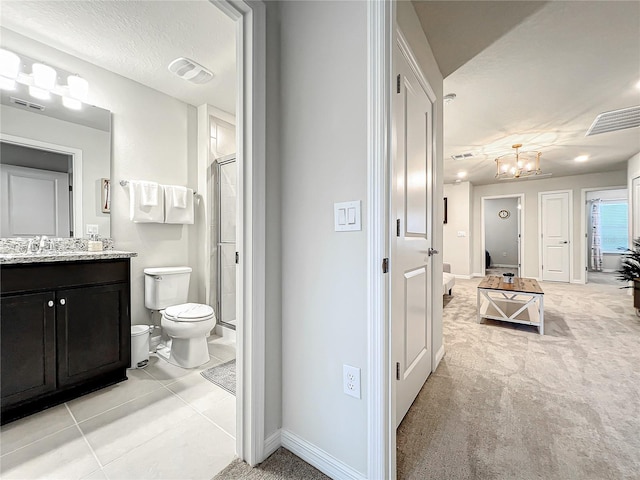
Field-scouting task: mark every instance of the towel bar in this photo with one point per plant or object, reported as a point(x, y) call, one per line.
point(124, 183)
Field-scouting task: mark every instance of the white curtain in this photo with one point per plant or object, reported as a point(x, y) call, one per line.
point(596, 250)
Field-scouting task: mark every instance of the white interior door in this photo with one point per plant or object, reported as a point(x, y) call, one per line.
point(410, 265)
point(635, 219)
point(34, 202)
point(555, 228)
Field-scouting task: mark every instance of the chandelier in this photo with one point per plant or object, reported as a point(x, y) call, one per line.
point(520, 164)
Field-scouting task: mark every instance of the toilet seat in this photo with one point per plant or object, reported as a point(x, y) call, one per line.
point(189, 312)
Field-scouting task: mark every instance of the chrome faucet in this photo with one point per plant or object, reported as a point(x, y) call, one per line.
point(37, 244)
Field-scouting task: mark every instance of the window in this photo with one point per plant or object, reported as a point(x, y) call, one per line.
point(614, 230)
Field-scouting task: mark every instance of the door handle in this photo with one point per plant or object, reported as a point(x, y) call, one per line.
point(432, 251)
point(50, 303)
point(63, 301)
point(564, 242)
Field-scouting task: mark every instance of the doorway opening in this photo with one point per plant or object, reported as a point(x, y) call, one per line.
point(502, 234)
point(605, 233)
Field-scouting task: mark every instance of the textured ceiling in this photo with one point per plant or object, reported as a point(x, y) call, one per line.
point(542, 83)
point(138, 40)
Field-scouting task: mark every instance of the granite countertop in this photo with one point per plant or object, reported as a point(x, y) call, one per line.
point(65, 256)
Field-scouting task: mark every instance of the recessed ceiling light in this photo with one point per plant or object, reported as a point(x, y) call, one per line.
point(449, 97)
point(462, 174)
point(458, 180)
point(638, 85)
point(582, 158)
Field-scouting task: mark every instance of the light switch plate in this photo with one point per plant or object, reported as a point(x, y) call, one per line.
point(91, 228)
point(347, 216)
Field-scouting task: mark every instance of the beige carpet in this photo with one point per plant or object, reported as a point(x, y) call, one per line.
point(507, 403)
point(281, 465)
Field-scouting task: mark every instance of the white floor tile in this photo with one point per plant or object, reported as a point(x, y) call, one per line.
point(198, 392)
point(118, 431)
point(34, 427)
point(138, 384)
point(64, 455)
point(192, 450)
point(223, 414)
point(167, 373)
point(97, 475)
point(221, 348)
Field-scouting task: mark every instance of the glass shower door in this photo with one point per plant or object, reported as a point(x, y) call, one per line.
point(226, 241)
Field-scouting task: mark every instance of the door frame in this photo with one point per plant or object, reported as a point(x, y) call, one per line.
point(250, 18)
point(520, 229)
point(583, 228)
point(540, 246)
point(76, 161)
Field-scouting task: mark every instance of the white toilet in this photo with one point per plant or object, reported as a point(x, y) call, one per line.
point(186, 324)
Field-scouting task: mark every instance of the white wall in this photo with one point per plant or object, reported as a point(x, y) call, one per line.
point(323, 78)
point(323, 152)
point(456, 250)
point(501, 234)
point(530, 189)
point(154, 138)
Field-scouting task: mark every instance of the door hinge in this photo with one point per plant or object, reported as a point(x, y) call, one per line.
point(397, 227)
point(237, 258)
point(398, 84)
point(397, 370)
point(385, 265)
point(71, 188)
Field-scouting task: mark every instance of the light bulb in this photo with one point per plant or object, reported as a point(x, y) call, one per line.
point(78, 87)
point(9, 64)
point(44, 76)
point(39, 93)
point(505, 167)
point(72, 103)
point(513, 170)
point(7, 83)
point(528, 167)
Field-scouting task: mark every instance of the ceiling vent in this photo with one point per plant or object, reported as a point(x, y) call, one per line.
point(462, 156)
point(615, 120)
point(25, 104)
point(189, 70)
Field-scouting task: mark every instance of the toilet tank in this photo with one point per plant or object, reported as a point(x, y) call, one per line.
point(166, 286)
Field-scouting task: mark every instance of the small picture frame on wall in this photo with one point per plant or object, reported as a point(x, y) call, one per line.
point(445, 210)
point(105, 195)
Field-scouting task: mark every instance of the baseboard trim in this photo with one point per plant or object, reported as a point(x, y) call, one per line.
point(503, 265)
point(439, 357)
point(272, 443)
point(464, 277)
point(477, 275)
point(326, 463)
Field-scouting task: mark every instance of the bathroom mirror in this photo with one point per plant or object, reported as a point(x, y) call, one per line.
point(55, 166)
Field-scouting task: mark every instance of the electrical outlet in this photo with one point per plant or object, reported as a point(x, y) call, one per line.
point(351, 380)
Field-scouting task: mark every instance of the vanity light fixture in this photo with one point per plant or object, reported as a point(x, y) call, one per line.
point(581, 158)
point(42, 82)
point(9, 69)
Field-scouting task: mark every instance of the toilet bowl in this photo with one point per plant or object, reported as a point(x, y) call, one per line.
point(187, 325)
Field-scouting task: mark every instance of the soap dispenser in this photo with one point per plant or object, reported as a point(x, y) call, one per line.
point(94, 244)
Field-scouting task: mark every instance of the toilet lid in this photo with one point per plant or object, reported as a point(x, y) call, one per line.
point(189, 312)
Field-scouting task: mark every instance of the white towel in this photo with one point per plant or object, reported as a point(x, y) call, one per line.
point(175, 214)
point(140, 213)
point(149, 193)
point(179, 195)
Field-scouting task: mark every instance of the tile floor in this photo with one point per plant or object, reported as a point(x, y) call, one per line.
point(164, 422)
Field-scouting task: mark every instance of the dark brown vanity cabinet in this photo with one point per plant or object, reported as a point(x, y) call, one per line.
point(64, 331)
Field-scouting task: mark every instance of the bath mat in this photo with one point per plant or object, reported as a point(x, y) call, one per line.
point(223, 375)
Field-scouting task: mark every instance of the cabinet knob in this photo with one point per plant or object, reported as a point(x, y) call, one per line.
point(63, 301)
point(50, 303)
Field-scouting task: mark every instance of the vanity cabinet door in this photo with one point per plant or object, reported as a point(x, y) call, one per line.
point(27, 346)
point(93, 334)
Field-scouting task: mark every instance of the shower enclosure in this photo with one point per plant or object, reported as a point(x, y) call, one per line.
point(224, 234)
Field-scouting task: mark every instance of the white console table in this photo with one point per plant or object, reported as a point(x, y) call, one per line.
point(519, 302)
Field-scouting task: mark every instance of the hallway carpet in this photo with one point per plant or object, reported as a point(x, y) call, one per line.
point(281, 465)
point(507, 403)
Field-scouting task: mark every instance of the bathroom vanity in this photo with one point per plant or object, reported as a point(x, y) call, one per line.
point(65, 327)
